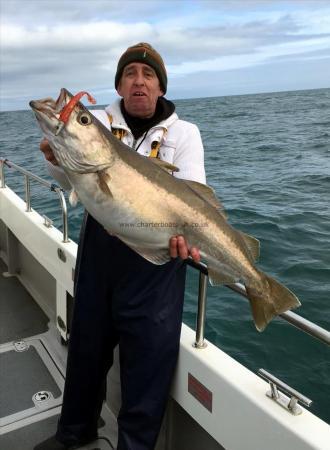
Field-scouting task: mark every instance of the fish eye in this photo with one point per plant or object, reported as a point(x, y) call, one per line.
point(84, 119)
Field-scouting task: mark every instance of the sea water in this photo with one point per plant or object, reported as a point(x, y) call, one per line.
point(268, 158)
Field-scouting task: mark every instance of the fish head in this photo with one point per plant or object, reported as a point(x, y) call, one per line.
point(76, 137)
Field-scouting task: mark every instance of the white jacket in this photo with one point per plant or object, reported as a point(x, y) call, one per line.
point(181, 144)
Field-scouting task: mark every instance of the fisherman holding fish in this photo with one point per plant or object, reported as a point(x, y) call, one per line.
point(121, 297)
point(142, 223)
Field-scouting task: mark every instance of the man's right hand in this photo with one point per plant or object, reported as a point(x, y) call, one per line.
point(48, 152)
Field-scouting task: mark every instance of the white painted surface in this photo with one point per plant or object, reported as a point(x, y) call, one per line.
point(242, 417)
point(40, 241)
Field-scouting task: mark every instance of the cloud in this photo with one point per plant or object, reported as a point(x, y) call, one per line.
point(46, 45)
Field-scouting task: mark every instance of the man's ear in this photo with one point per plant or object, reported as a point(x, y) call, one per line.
point(119, 89)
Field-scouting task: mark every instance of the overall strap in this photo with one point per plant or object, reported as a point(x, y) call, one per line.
point(119, 133)
point(155, 145)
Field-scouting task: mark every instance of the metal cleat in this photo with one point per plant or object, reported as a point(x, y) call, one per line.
point(289, 403)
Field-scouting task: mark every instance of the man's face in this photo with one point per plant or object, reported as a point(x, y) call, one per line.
point(140, 89)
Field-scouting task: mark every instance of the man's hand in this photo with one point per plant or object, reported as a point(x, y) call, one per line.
point(179, 247)
point(48, 152)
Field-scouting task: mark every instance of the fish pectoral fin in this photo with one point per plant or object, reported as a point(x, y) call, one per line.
point(168, 167)
point(73, 198)
point(217, 278)
point(206, 193)
point(103, 181)
point(252, 244)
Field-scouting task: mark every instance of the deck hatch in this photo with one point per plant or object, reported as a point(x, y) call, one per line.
point(24, 374)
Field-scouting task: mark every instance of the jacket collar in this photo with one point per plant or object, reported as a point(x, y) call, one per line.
point(118, 120)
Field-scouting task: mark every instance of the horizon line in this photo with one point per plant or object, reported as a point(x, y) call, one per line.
point(208, 97)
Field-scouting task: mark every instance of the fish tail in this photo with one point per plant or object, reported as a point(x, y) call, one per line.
point(269, 301)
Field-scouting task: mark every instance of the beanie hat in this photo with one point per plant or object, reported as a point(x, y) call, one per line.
point(146, 54)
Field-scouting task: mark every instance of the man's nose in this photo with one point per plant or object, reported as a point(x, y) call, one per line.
point(139, 79)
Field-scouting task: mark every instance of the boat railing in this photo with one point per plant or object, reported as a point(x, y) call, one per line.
point(294, 319)
point(51, 186)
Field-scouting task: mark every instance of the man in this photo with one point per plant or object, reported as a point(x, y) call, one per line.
point(120, 298)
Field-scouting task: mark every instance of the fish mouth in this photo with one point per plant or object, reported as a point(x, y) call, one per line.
point(50, 107)
point(48, 110)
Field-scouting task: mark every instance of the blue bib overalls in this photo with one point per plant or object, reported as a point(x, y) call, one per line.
point(120, 298)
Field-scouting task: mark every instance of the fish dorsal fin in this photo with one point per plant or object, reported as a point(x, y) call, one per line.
point(206, 193)
point(252, 244)
point(168, 167)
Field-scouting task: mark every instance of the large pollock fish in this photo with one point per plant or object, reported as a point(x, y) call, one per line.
point(139, 201)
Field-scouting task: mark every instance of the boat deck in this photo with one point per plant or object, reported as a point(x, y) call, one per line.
point(32, 367)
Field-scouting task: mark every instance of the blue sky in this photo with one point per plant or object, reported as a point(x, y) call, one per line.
point(210, 48)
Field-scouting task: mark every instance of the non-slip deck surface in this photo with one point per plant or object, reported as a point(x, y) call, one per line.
point(22, 374)
point(20, 316)
point(26, 438)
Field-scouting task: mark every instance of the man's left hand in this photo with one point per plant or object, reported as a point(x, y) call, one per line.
point(179, 247)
